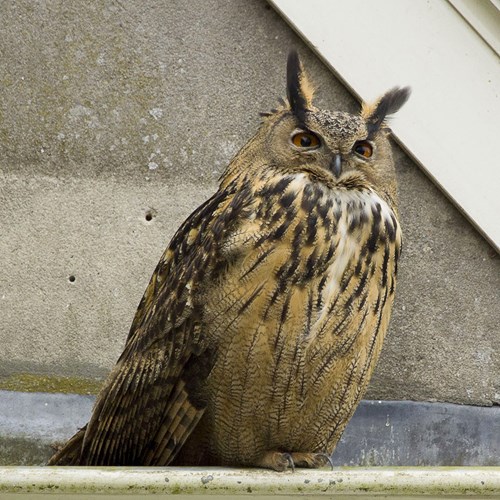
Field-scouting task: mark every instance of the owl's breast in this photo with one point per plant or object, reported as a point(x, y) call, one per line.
point(367, 243)
point(303, 304)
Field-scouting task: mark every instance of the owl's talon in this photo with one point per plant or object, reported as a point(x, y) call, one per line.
point(312, 460)
point(291, 463)
point(277, 461)
point(328, 458)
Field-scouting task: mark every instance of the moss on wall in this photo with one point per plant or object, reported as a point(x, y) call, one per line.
point(28, 382)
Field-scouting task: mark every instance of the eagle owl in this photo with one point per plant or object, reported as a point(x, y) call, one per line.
point(263, 321)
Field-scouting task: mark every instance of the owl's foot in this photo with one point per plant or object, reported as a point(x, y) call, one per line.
point(311, 460)
point(280, 461)
point(276, 460)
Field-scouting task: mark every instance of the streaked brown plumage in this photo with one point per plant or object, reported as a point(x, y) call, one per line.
point(263, 321)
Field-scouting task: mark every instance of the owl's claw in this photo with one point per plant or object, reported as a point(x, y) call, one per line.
point(312, 460)
point(277, 461)
point(291, 463)
point(281, 461)
point(328, 458)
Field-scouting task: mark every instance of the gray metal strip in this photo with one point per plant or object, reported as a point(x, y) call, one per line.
point(389, 433)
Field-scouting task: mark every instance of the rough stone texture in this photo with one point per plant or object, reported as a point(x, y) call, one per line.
point(112, 112)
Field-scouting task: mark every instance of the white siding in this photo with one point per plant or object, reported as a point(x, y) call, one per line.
point(451, 124)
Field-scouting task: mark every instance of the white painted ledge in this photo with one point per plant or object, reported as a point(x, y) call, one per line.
point(436, 481)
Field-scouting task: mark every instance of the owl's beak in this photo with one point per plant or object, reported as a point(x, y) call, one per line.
point(336, 165)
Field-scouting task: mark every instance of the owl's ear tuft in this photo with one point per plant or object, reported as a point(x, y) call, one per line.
point(388, 104)
point(299, 89)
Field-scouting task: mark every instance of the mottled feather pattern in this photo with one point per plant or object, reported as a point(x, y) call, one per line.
point(311, 278)
point(263, 321)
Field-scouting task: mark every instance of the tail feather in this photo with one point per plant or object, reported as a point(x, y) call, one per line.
point(70, 453)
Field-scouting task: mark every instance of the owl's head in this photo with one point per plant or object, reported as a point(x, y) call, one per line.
point(343, 150)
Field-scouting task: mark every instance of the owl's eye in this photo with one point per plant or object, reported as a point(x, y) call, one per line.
point(305, 140)
point(363, 148)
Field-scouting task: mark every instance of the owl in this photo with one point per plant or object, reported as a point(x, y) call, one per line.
point(263, 321)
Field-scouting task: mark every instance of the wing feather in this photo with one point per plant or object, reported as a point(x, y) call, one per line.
point(147, 408)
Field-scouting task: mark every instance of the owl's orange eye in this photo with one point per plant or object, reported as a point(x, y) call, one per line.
point(363, 148)
point(305, 140)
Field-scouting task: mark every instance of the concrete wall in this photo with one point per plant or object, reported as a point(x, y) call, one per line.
point(116, 112)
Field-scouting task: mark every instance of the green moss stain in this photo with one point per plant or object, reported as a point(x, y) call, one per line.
point(28, 382)
point(20, 451)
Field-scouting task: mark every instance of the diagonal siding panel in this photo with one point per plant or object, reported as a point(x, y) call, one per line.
point(451, 125)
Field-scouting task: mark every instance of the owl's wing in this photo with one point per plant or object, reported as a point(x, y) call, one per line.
point(151, 403)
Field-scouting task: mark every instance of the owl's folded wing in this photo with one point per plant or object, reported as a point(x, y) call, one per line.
point(151, 401)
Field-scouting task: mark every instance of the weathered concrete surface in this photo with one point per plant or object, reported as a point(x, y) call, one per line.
point(194, 483)
point(111, 111)
point(381, 433)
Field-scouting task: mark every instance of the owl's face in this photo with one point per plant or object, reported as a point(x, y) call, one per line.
point(334, 144)
point(344, 150)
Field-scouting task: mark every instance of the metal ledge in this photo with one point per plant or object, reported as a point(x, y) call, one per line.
point(381, 433)
point(222, 481)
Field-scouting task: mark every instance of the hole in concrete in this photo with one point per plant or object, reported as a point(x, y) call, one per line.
point(149, 216)
point(72, 279)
